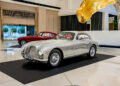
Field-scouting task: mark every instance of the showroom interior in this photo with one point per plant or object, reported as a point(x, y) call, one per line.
point(31, 19)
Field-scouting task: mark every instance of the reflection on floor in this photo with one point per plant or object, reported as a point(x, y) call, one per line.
point(10, 44)
point(101, 71)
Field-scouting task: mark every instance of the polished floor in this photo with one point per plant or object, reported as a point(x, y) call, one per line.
point(101, 71)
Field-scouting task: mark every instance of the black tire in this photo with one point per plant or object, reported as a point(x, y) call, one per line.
point(52, 58)
point(92, 52)
point(22, 42)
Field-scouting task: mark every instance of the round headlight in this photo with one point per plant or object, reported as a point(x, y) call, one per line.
point(40, 53)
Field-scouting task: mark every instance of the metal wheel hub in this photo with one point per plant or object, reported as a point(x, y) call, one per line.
point(23, 42)
point(92, 52)
point(54, 59)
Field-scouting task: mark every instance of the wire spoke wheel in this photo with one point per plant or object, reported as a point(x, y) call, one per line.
point(92, 52)
point(55, 58)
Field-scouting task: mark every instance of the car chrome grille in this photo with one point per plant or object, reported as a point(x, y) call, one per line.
point(27, 50)
point(31, 52)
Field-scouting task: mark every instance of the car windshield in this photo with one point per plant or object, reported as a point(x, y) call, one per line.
point(65, 36)
point(45, 35)
point(40, 34)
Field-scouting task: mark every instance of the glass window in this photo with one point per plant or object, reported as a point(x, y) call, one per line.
point(46, 35)
point(13, 32)
point(66, 35)
point(51, 35)
point(83, 37)
point(113, 22)
point(40, 34)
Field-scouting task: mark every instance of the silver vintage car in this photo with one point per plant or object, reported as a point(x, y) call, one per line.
point(66, 44)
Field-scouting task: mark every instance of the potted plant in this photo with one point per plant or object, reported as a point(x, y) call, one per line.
point(5, 32)
point(115, 24)
point(13, 32)
point(21, 31)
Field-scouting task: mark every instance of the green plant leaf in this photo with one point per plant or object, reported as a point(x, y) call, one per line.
point(5, 30)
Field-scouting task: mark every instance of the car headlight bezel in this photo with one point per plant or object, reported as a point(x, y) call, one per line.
point(40, 52)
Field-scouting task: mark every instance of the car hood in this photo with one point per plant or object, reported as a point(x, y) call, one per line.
point(47, 43)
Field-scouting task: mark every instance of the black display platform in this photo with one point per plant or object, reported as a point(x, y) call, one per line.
point(26, 72)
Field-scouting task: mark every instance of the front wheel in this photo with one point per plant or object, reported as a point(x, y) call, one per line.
point(22, 42)
point(55, 58)
point(92, 52)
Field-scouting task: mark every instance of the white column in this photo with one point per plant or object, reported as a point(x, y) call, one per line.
point(119, 21)
point(70, 4)
point(105, 21)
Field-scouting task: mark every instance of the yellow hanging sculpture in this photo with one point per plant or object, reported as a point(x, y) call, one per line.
point(89, 7)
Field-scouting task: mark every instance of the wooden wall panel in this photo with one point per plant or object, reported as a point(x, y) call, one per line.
point(41, 19)
point(49, 20)
point(56, 22)
point(14, 6)
point(45, 19)
point(0, 21)
point(14, 20)
point(53, 21)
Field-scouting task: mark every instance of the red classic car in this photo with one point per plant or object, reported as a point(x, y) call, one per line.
point(40, 36)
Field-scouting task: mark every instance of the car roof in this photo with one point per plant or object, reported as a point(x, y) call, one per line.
point(77, 32)
point(47, 32)
point(74, 31)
